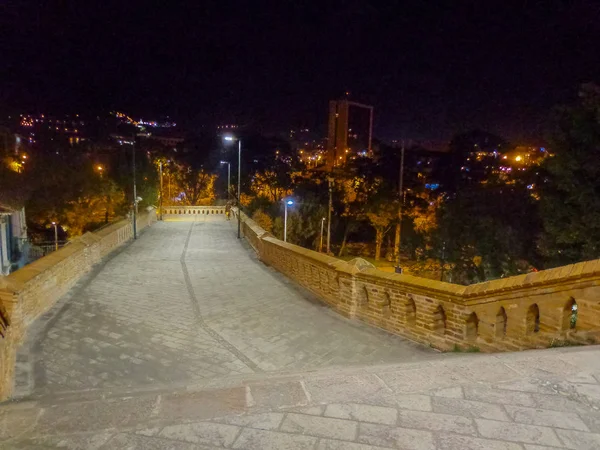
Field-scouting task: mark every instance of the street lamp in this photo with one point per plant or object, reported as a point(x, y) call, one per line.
point(55, 236)
point(228, 178)
point(231, 139)
point(135, 197)
point(287, 203)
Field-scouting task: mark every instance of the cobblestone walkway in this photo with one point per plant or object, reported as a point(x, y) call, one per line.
point(186, 302)
point(535, 400)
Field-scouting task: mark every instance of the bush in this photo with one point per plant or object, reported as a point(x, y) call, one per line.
point(263, 220)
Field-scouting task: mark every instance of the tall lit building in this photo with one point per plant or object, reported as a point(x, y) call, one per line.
point(338, 147)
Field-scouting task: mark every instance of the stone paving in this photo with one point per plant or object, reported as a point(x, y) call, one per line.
point(535, 400)
point(186, 302)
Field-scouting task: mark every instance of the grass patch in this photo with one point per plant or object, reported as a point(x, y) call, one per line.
point(469, 349)
point(557, 343)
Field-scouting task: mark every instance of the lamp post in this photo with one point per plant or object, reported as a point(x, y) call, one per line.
point(228, 178)
point(321, 243)
point(134, 190)
point(398, 269)
point(286, 202)
point(330, 180)
point(55, 235)
point(160, 205)
point(231, 138)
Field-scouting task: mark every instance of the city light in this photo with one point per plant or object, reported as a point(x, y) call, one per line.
point(290, 202)
point(229, 138)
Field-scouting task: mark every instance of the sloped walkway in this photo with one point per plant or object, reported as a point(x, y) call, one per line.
point(188, 302)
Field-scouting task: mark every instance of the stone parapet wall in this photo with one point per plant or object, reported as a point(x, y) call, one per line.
point(553, 307)
point(32, 290)
point(190, 212)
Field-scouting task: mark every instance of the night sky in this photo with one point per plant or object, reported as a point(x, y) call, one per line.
point(430, 68)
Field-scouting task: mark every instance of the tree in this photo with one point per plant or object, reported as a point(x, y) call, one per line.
point(570, 191)
point(195, 186)
point(381, 214)
point(263, 220)
point(488, 231)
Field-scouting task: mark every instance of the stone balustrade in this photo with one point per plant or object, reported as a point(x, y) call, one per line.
point(32, 290)
point(558, 306)
point(171, 212)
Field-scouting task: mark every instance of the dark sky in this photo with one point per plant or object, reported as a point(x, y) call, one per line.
point(430, 68)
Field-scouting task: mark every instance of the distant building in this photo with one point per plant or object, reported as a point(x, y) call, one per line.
point(340, 138)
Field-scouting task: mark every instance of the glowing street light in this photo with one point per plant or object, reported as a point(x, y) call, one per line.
point(322, 226)
point(287, 203)
point(55, 235)
point(231, 139)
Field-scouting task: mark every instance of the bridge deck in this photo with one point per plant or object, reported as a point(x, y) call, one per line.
point(187, 302)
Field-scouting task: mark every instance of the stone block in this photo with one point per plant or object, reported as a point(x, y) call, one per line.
point(319, 426)
point(362, 413)
point(251, 439)
point(513, 432)
point(395, 437)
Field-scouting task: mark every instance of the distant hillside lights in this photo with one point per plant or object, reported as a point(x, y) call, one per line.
point(141, 123)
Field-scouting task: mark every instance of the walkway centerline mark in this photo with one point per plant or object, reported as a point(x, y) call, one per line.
point(198, 313)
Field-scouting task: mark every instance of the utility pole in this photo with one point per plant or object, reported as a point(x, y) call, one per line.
point(443, 262)
point(400, 204)
point(238, 193)
point(330, 180)
point(161, 190)
point(134, 191)
point(228, 181)
point(321, 243)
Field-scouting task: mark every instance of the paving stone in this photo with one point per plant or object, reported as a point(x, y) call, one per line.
point(278, 395)
point(137, 442)
point(578, 440)
point(361, 388)
point(546, 417)
point(202, 433)
point(91, 416)
point(423, 379)
point(251, 439)
point(489, 395)
point(591, 391)
point(562, 403)
point(202, 405)
point(436, 422)
point(397, 437)
point(451, 392)
point(316, 410)
point(415, 402)
point(362, 413)
point(490, 372)
point(514, 432)
point(538, 447)
point(15, 422)
point(319, 426)
point(328, 444)
point(265, 421)
point(468, 408)
point(447, 441)
point(73, 442)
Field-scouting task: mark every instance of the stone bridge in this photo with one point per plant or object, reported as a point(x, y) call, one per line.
point(191, 338)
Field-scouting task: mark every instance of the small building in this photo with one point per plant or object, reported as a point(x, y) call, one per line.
point(13, 238)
